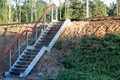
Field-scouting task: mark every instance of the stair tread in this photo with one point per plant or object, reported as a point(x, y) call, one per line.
point(33, 50)
point(15, 73)
point(21, 65)
point(29, 55)
point(37, 46)
point(30, 52)
point(26, 59)
point(19, 68)
point(43, 41)
point(46, 37)
point(52, 30)
point(24, 63)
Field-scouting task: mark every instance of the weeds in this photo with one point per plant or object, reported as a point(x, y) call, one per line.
point(96, 59)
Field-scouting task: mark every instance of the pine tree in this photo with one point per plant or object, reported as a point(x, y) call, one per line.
point(112, 9)
point(98, 9)
point(118, 7)
point(78, 8)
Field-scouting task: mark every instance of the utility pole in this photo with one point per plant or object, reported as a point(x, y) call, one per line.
point(87, 8)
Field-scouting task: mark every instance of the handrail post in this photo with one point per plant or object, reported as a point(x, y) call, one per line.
point(52, 15)
point(57, 14)
point(9, 59)
point(44, 26)
point(36, 33)
point(18, 47)
point(26, 39)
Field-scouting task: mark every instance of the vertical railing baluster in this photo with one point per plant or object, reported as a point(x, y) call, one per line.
point(36, 31)
point(56, 14)
point(52, 15)
point(10, 63)
point(18, 47)
point(44, 26)
point(26, 39)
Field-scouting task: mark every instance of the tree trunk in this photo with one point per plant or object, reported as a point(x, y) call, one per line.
point(26, 14)
point(5, 20)
point(118, 7)
point(65, 9)
point(31, 10)
point(60, 8)
point(9, 16)
point(17, 12)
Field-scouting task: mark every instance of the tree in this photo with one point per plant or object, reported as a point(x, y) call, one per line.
point(41, 6)
point(77, 8)
point(31, 6)
point(118, 7)
point(112, 9)
point(98, 9)
point(32, 9)
point(3, 11)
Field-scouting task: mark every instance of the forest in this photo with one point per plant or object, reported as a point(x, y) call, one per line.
point(17, 11)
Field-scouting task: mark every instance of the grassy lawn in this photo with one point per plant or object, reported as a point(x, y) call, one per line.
point(95, 59)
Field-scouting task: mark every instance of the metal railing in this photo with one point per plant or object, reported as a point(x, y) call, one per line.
point(22, 40)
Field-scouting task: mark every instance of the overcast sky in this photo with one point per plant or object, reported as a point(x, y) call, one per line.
point(108, 1)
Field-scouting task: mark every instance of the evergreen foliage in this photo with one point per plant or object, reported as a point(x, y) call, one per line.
point(70, 9)
point(118, 7)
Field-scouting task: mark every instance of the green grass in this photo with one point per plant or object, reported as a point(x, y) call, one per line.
point(95, 59)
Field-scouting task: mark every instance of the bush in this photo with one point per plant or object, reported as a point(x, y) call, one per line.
point(95, 59)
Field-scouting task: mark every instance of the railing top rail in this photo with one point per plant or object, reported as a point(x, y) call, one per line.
point(14, 43)
point(33, 29)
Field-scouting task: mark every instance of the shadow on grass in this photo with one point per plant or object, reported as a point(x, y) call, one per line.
point(95, 59)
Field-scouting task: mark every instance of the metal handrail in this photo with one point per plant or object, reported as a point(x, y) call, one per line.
point(33, 30)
